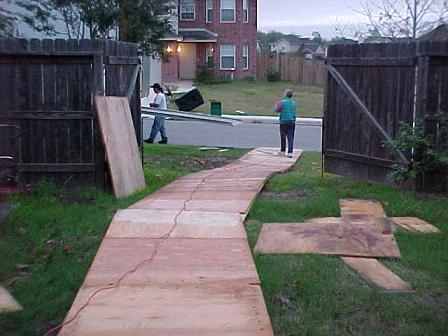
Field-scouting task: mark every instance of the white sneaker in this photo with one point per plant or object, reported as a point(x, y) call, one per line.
point(290, 155)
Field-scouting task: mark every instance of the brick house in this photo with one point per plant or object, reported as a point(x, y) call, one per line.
point(216, 34)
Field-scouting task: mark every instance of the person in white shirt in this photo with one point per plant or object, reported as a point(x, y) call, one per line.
point(159, 121)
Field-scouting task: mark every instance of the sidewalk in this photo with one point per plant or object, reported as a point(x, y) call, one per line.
point(178, 262)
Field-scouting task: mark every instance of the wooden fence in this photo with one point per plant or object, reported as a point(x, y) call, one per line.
point(370, 89)
point(292, 68)
point(47, 88)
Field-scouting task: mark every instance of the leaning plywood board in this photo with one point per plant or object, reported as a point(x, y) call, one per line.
point(414, 225)
point(377, 275)
point(327, 238)
point(7, 302)
point(120, 143)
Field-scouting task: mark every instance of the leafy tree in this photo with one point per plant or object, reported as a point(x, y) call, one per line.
point(269, 37)
point(139, 21)
point(7, 19)
point(317, 38)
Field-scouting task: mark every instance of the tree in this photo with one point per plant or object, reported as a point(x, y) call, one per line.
point(404, 18)
point(317, 38)
point(53, 17)
point(139, 21)
point(7, 19)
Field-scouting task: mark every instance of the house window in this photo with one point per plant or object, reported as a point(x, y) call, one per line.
point(187, 10)
point(245, 57)
point(227, 57)
point(227, 10)
point(209, 11)
point(209, 58)
point(245, 11)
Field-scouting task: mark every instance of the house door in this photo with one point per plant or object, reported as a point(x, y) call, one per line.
point(187, 61)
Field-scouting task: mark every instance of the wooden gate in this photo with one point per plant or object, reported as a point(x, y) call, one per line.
point(47, 88)
point(370, 89)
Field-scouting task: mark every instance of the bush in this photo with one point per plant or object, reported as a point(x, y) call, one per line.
point(206, 76)
point(273, 75)
point(429, 151)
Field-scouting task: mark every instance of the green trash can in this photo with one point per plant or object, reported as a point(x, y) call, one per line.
point(215, 108)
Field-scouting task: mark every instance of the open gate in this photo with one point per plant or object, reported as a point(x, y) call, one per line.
point(370, 89)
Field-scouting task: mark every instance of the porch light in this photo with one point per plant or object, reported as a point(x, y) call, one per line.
point(179, 49)
point(169, 49)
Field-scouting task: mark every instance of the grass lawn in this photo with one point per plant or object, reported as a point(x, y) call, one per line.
point(258, 98)
point(56, 232)
point(319, 295)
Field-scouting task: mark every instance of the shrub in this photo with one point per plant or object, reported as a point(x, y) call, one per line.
point(429, 151)
point(273, 75)
point(206, 76)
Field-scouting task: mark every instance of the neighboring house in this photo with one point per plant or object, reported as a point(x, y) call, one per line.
point(216, 34)
point(304, 47)
point(287, 44)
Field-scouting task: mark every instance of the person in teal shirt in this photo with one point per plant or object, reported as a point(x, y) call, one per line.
point(287, 109)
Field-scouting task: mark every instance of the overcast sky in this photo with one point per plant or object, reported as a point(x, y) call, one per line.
point(305, 16)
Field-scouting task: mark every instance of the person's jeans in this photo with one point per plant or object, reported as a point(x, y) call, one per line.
point(158, 126)
point(287, 132)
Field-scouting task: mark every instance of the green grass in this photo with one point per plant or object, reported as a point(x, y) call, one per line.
point(258, 98)
point(57, 232)
point(319, 295)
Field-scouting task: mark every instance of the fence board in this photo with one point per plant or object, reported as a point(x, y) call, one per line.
point(47, 90)
point(385, 78)
point(292, 68)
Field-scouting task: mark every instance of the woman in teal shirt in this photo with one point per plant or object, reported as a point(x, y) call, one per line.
point(287, 109)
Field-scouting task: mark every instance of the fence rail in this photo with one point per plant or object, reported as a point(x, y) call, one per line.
point(292, 68)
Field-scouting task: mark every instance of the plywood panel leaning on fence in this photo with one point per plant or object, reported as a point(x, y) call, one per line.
point(120, 142)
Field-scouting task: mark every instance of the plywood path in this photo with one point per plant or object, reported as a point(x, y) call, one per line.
point(192, 269)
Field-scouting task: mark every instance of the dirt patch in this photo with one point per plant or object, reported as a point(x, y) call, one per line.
point(286, 195)
point(206, 163)
point(198, 163)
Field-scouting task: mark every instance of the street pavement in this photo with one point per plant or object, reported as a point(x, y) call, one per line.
point(244, 135)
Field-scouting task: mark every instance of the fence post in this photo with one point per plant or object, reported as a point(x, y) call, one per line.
point(427, 105)
point(99, 89)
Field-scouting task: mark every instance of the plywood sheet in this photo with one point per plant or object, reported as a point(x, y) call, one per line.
point(379, 225)
point(235, 173)
point(120, 142)
point(414, 225)
point(172, 310)
point(377, 275)
point(214, 185)
point(136, 223)
point(211, 205)
point(7, 302)
point(154, 203)
point(177, 261)
point(356, 209)
point(326, 238)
